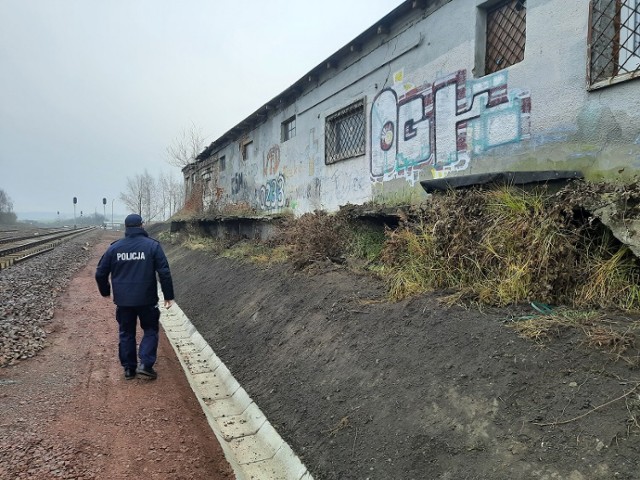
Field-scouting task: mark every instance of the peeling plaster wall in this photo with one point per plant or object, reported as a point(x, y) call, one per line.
point(430, 114)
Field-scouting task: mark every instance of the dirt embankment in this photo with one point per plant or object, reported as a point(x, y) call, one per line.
point(363, 388)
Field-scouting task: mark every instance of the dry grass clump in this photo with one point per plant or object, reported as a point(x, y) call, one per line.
point(256, 252)
point(415, 264)
point(614, 337)
point(203, 243)
point(547, 326)
point(498, 247)
point(611, 277)
point(509, 246)
point(609, 339)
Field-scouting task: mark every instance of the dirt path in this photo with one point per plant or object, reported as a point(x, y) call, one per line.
point(69, 413)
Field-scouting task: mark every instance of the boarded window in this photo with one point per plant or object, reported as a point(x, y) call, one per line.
point(506, 35)
point(614, 41)
point(345, 133)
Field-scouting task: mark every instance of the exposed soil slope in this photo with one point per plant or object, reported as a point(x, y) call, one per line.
point(362, 388)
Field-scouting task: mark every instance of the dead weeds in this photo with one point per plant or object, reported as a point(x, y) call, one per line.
point(510, 246)
point(495, 247)
point(616, 338)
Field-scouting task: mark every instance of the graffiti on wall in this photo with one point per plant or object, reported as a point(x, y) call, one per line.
point(313, 189)
point(443, 123)
point(237, 183)
point(271, 163)
point(349, 185)
point(271, 195)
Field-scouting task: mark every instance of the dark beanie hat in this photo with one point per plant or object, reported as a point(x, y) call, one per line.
point(133, 220)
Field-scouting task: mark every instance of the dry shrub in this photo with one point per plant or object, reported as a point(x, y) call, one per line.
point(315, 236)
point(498, 246)
point(507, 246)
point(527, 248)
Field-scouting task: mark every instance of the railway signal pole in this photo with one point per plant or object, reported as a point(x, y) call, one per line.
point(104, 213)
point(75, 200)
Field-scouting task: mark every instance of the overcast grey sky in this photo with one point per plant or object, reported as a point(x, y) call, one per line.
point(93, 91)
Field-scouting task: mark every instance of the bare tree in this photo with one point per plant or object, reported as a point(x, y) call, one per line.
point(176, 193)
point(140, 196)
point(186, 147)
point(171, 194)
point(6, 208)
point(153, 199)
point(163, 195)
point(6, 205)
point(149, 197)
point(133, 196)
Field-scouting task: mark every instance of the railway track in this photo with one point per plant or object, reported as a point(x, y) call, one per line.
point(10, 236)
point(17, 249)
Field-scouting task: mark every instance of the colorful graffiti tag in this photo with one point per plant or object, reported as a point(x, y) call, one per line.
point(271, 195)
point(271, 163)
point(443, 124)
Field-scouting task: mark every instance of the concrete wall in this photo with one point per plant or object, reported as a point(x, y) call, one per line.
point(431, 113)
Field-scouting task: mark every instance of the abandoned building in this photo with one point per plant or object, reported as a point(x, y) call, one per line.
point(441, 89)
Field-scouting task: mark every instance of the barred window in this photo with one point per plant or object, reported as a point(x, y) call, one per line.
point(289, 129)
point(222, 163)
point(345, 133)
point(614, 41)
point(506, 35)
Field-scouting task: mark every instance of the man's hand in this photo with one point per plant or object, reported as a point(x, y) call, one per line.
point(168, 303)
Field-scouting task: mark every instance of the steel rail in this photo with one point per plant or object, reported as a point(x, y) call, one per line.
point(23, 250)
point(10, 239)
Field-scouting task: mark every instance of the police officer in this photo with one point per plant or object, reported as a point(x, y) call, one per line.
point(133, 262)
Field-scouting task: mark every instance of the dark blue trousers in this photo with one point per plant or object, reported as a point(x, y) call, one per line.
point(127, 317)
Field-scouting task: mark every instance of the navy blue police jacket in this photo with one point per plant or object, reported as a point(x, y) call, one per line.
point(132, 263)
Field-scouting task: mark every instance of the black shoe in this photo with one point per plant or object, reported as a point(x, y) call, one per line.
point(147, 372)
point(129, 374)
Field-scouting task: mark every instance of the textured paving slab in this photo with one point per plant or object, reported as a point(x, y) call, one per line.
point(252, 446)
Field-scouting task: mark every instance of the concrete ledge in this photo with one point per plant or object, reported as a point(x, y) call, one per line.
point(253, 448)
